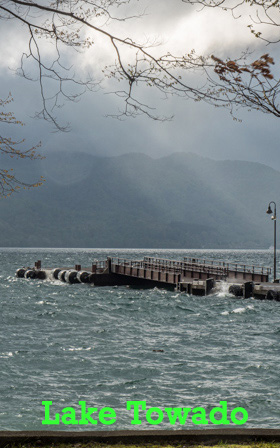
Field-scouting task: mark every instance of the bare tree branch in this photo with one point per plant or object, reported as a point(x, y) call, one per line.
point(9, 183)
point(65, 23)
point(74, 25)
point(252, 84)
point(264, 12)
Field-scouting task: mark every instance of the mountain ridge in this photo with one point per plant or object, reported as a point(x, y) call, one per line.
point(179, 201)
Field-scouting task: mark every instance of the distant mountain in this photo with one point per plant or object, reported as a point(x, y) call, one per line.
point(179, 201)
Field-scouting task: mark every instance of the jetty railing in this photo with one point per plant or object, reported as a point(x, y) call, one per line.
point(182, 266)
point(156, 264)
point(191, 266)
point(100, 264)
point(230, 266)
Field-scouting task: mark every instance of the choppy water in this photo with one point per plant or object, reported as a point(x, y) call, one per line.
point(67, 343)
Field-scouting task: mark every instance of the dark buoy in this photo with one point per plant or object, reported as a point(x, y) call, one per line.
point(54, 273)
point(41, 275)
point(61, 276)
point(272, 295)
point(20, 272)
point(236, 290)
point(71, 277)
point(83, 276)
point(30, 273)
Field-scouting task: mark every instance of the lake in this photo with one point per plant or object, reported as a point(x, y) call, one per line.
point(106, 346)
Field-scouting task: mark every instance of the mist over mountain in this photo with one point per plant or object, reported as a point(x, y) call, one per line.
point(179, 201)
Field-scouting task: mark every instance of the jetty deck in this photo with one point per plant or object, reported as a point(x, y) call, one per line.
point(191, 275)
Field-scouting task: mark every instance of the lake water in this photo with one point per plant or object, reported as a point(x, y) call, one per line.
point(106, 346)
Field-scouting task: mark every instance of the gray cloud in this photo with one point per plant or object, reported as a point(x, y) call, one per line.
point(196, 127)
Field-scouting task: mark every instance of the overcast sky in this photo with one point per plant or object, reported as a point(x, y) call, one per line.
point(196, 127)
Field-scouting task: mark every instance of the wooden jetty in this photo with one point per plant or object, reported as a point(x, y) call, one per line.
point(191, 275)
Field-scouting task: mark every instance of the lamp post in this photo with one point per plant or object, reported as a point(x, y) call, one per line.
point(273, 217)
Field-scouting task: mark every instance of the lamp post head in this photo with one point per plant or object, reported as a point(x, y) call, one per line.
point(269, 211)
